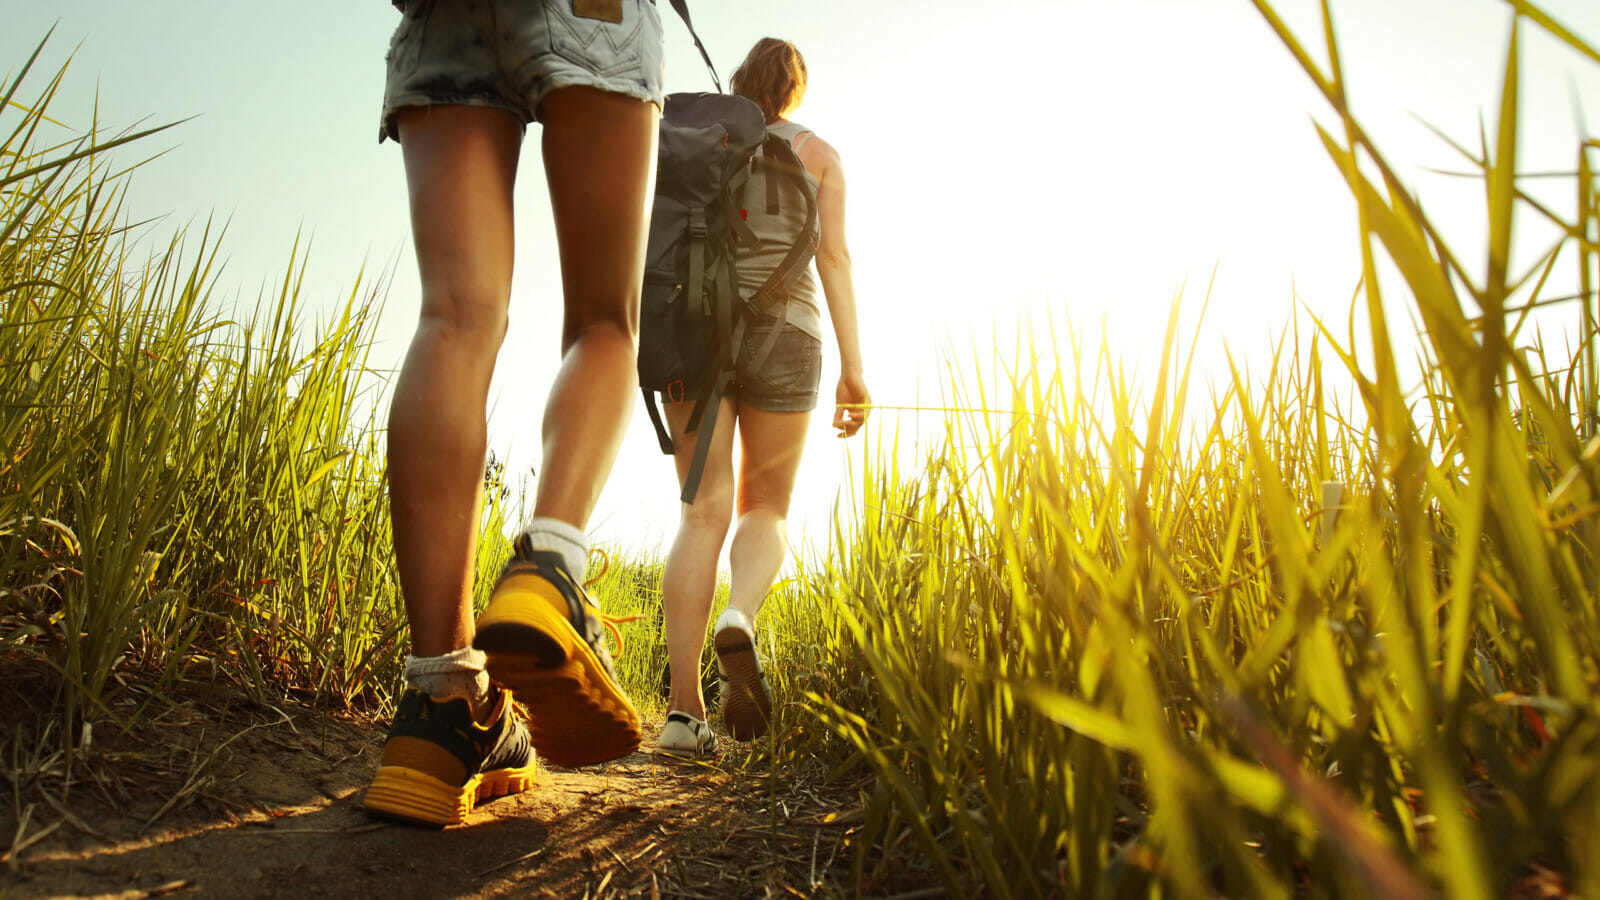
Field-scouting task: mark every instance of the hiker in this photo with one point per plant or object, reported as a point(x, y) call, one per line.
point(769, 406)
point(464, 81)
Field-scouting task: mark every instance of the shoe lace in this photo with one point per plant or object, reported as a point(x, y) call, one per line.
point(605, 566)
point(613, 623)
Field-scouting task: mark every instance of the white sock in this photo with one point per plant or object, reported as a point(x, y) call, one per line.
point(560, 537)
point(733, 618)
point(457, 674)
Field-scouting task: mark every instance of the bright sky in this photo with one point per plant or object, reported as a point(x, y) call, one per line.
point(1074, 158)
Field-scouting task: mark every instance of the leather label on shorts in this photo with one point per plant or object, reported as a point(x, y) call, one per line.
point(604, 10)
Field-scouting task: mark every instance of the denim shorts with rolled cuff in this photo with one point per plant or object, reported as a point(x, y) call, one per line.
point(788, 378)
point(509, 54)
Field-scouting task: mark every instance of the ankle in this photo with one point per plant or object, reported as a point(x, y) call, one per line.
point(456, 674)
point(693, 706)
point(543, 533)
point(735, 615)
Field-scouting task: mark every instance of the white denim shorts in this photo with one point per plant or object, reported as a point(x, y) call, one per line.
point(508, 54)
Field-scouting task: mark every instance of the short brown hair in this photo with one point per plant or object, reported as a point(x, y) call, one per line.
point(773, 74)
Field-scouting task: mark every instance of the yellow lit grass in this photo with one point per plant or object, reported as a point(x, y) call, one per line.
point(1116, 654)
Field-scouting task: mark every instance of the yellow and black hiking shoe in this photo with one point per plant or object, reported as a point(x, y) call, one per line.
point(545, 639)
point(438, 763)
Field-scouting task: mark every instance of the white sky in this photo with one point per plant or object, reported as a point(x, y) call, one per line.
point(1027, 159)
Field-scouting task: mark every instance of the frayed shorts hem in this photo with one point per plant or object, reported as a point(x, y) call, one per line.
point(389, 129)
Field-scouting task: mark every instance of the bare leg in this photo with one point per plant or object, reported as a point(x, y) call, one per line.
point(689, 580)
point(600, 160)
point(460, 164)
point(770, 447)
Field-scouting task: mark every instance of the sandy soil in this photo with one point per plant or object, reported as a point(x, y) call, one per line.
point(264, 803)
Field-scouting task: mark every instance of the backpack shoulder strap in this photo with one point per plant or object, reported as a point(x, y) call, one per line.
point(805, 246)
point(682, 8)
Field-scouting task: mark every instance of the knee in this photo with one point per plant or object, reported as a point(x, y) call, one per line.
point(710, 512)
point(608, 323)
point(473, 317)
point(763, 504)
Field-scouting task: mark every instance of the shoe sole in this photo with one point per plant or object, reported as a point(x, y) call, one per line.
point(686, 755)
point(578, 715)
point(746, 708)
point(417, 798)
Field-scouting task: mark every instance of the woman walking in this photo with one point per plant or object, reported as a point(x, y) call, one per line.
point(769, 408)
point(463, 83)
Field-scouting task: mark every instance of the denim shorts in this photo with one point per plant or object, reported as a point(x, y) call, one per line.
point(787, 379)
point(508, 54)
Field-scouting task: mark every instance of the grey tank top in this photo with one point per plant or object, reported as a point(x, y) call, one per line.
point(776, 234)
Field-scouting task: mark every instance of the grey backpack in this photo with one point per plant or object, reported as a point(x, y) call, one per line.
point(693, 316)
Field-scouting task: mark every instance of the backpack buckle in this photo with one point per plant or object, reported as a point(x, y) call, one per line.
point(674, 392)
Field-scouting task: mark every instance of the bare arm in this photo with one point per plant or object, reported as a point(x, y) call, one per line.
point(838, 284)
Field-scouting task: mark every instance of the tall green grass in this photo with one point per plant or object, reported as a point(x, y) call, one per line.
point(195, 496)
point(1307, 647)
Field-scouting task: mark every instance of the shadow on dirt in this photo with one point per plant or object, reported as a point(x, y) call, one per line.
point(265, 804)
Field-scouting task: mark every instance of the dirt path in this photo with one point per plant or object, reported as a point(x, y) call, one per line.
point(183, 810)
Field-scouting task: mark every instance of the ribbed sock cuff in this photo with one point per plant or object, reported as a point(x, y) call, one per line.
point(456, 674)
point(563, 538)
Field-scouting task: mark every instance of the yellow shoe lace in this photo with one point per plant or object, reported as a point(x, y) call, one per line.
point(611, 622)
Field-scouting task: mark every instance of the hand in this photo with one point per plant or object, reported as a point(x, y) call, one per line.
point(853, 400)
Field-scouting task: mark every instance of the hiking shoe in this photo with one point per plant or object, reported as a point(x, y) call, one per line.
point(438, 762)
point(684, 735)
point(545, 640)
point(746, 699)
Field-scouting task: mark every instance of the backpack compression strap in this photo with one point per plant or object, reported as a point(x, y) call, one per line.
point(682, 7)
point(728, 328)
point(702, 444)
point(663, 436)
